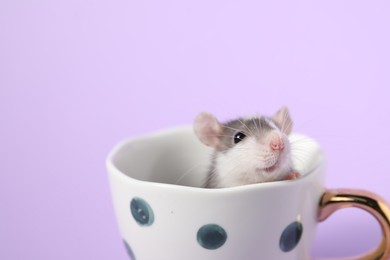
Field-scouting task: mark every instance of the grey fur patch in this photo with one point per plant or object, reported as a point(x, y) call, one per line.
point(253, 127)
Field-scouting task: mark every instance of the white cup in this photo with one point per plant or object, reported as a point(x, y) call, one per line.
point(163, 213)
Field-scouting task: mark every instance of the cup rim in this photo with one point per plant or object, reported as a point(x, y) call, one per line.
point(113, 170)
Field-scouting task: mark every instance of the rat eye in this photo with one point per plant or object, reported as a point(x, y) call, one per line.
point(239, 137)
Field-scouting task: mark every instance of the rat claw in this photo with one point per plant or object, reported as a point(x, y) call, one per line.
point(292, 176)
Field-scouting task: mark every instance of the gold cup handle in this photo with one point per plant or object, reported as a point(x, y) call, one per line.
point(333, 200)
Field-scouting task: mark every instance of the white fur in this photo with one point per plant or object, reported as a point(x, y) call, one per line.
point(245, 163)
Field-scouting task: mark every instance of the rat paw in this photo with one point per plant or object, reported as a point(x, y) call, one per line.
point(292, 176)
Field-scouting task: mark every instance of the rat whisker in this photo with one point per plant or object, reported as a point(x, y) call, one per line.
point(232, 128)
point(300, 155)
point(302, 139)
point(186, 173)
point(249, 130)
point(300, 151)
point(230, 136)
point(284, 120)
point(301, 144)
point(300, 160)
point(254, 123)
point(261, 128)
point(297, 147)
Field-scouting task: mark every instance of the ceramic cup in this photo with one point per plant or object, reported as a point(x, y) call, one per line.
point(163, 213)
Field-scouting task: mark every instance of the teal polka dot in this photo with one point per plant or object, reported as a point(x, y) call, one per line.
point(141, 211)
point(211, 236)
point(291, 236)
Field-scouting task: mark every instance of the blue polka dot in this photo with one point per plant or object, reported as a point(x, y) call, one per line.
point(211, 236)
point(291, 236)
point(141, 211)
point(128, 250)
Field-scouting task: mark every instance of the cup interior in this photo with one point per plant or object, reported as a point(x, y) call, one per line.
point(177, 157)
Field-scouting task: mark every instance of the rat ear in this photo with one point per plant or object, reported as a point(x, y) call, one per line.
point(283, 120)
point(208, 129)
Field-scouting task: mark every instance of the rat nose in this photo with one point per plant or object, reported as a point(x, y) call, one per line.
point(277, 144)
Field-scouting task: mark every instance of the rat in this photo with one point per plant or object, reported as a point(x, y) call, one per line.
point(247, 150)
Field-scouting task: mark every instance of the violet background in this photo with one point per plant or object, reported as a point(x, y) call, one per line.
point(76, 77)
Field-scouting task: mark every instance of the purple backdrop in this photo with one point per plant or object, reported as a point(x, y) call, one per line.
point(76, 77)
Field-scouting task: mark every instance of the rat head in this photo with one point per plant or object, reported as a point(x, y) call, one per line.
point(247, 150)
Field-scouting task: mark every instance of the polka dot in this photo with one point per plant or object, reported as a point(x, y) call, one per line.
point(211, 236)
point(141, 211)
point(129, 251)
point(291, 236)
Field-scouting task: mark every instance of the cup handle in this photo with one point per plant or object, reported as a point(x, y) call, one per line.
point(333, 200)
